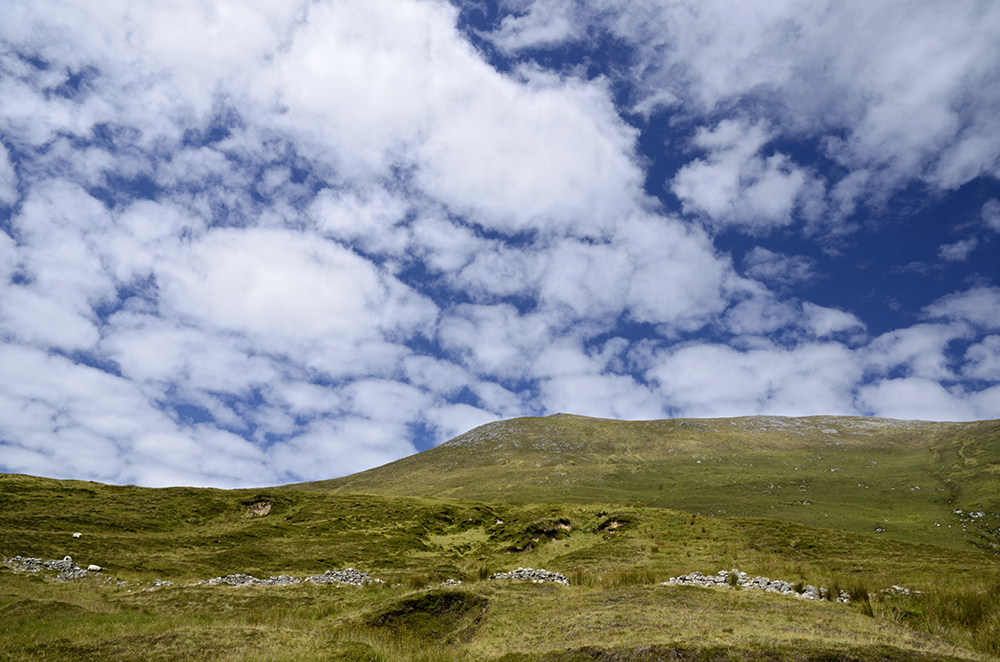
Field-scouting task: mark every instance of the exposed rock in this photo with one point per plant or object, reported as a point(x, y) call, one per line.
point(736, 579)
point(350, 577)
point(899, 590)
point(259, 508)
point(159, 583)
point(240, 580)
point(530, 574)
point(24, 564)
point(66, 568)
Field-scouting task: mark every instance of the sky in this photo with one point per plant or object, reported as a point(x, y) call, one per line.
point(255, 242)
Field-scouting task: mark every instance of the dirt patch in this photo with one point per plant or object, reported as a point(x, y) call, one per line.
point(258, 508)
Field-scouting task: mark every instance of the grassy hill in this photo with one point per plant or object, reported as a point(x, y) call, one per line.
point(601, 502)
point(902, 480)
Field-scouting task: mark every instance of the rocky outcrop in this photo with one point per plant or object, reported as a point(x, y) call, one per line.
point(532, 575)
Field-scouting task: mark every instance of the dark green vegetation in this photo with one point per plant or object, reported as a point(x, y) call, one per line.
point(612, 530)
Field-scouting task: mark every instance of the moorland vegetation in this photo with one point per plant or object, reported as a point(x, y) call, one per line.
point(617, 507)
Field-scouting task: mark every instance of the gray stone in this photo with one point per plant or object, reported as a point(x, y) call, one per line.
point(743, 581)
point(533, 575)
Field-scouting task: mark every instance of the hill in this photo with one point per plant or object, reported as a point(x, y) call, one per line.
point(205, 574)
point(912, 481)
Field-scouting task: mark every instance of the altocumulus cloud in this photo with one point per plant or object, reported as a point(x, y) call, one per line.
point(259, 242)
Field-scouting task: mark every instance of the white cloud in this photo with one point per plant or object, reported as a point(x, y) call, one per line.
point(386, 401)
point(360, 230)
point(37, 319)
point(991, 214)
point(914, 398)
point(983, 360)
point(760, 315)
point(716, 380)
point(541, 128)
point(920, 350)
point(154, 351)
point(601, 395)
point(979, 306)
point(591, 279)
point(544, 23)
point(778, 269)
point(576, 381)
point(370, 219)
point(59, 229)
point(958, 251)
point(453, 420)
point(287, 287)
point(823, 322)
point(8, 178)
point(8, 257)
point(917, 102)
point(70, 420)
point(332, 447)
point(498, 270)
point(435, 375)
point(494, 340)
point(512, 151)
point(737, 183)
point(679, 282)
point(504, 402)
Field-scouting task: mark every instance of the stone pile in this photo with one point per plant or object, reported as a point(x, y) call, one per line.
point(67, 569)
point(239, 580)
point(734, 578)
point(530, 574)
point(899, 590)
point(350, 577)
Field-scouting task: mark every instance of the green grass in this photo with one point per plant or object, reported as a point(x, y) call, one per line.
point(635, 508)
point(616, 556)
point(854, 474)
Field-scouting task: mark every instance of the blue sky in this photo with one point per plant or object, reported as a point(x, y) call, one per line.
point(257, 242)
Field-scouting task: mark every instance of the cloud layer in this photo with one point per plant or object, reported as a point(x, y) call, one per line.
point(263, 242)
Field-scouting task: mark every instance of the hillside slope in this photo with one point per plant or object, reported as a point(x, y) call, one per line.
point(914, 481)
point(155, 545)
